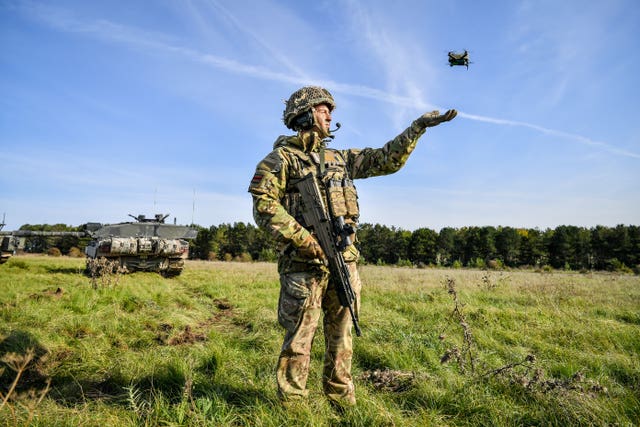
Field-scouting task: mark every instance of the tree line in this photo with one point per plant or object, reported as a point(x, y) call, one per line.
point(564, 247)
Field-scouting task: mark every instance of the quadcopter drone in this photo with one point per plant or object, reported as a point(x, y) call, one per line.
point(459, 59)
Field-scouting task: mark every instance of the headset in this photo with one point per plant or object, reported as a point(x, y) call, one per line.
point(303, 122)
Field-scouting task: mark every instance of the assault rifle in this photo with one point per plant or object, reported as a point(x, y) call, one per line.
point(333, 236)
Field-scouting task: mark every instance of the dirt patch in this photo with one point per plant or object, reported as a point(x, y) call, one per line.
point(191, 334)
point(48, 293)
point(223, 304)
point(187, 336)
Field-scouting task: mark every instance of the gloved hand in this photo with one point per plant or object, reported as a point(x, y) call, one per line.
point(434, 118)
point(310, 248)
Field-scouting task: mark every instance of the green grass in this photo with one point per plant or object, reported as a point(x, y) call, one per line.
point(200, 349)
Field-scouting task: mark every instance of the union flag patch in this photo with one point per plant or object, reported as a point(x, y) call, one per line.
point(256, 179)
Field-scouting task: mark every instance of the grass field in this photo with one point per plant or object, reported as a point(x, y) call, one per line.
point(439, 347)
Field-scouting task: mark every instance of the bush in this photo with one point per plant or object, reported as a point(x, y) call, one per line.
point(404, 263)
point(54, 252)
point(75, 252)
point(243, 257)
point(477, 263)
point(495, 264)
point(615, 265)
point(268, 255)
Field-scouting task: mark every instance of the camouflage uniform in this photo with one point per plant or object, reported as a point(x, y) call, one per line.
point(306, 287)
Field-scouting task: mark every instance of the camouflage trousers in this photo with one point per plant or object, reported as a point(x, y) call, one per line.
point(304, 296)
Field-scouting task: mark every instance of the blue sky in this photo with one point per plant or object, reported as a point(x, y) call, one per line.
point(110, 108)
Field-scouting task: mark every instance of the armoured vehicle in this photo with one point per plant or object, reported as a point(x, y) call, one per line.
point(146, 244)
point(7, 245)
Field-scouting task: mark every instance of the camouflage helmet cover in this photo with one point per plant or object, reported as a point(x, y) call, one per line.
point(303, 100)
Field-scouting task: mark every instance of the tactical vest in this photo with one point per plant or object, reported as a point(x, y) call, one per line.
point(337, 188)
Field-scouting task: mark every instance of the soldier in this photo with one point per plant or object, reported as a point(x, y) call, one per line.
point(306, 287)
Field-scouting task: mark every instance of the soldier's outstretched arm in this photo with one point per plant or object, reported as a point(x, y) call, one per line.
point(395, 153)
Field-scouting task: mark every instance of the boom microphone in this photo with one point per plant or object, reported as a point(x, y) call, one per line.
point(337, 127)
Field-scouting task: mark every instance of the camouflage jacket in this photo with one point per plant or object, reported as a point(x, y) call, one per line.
point(276, 203)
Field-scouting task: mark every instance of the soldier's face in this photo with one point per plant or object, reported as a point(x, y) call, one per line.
point(322, 115)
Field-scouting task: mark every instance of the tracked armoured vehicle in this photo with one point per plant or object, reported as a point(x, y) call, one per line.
point(7, 245)
point(142, 245)
point(146, 244)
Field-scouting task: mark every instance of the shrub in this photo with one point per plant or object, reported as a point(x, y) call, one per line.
point(495, 264)
point(404, 263)
point(615, 265)
point(268, 255)
point(243, 257)
point(477, 263)
point(75, 252)
point(54, 252)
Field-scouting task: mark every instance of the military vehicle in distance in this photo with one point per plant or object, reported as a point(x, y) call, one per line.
point(7, 245)
point(142, 245)
point(146, 244)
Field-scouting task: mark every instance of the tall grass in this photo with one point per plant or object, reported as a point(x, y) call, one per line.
point(439, 347)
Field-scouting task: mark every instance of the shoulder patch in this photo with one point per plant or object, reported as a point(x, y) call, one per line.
point(257, 178)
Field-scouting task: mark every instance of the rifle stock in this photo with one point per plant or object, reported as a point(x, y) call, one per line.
point(333, 237)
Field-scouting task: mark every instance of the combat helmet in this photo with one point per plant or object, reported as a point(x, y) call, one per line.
point(302, 100)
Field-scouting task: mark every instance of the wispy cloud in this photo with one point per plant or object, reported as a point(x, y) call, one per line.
point(399, 64)
point(413, 99)
point(577, 138)
point(276, 54)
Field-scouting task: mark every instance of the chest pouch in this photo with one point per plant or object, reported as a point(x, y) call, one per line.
point(343, 197)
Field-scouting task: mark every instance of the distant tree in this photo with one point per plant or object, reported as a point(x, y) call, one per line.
point(507, 244)
point(479, 244)
point(263, 245)
point(238, 238)
point(399, 246)
point(376, 243)
point(364, 236)
point(446, 246)
point(569, 246)
point(532, 249)
point(202, 245)
point(621, 244)
point(600, 246)
point(423, 246)
point(583, 252)
point(634, 247)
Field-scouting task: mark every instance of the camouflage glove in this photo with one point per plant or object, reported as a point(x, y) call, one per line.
point(310, 248)
point(434, 118)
